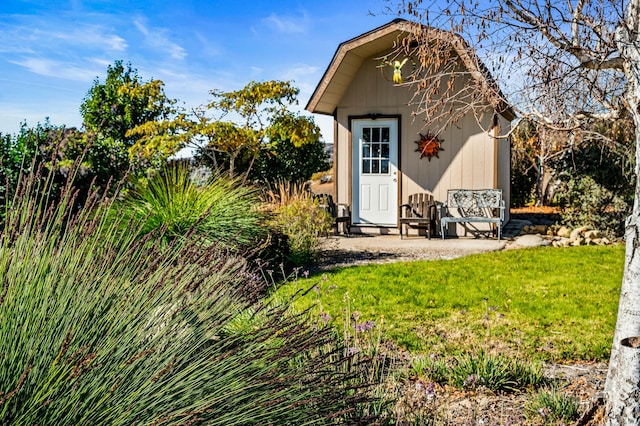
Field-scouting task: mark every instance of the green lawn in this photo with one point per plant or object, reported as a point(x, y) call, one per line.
point(544, 303)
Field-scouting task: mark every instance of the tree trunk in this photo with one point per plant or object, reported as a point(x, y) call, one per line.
point(623, 379)
point(540, 172)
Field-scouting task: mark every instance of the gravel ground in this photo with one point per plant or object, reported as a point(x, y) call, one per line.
point(361, 249)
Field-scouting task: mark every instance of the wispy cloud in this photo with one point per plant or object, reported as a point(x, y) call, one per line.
point(54, 35)
point(304, 76)
point(208, 47)
point(58, 69)
point(287, 24)
point(93, 36)
point(157, 38)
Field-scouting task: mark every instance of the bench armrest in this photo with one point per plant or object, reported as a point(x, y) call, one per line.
point(345, 208)
point(408, 208)
point(443, 210)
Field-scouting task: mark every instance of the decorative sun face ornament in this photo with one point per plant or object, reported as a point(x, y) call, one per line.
point(429, 146)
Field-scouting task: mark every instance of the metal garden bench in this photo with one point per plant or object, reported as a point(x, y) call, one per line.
point(472, 206)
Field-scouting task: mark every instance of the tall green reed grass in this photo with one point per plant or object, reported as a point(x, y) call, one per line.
point(222, 211)
point(105, 323)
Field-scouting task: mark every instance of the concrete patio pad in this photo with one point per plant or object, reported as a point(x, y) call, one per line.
point(361, 248)
point(393, 242)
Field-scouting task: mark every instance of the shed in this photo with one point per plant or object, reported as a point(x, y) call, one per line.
point(376, 135)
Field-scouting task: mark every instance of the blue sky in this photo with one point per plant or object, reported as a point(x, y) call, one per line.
point(52, 51)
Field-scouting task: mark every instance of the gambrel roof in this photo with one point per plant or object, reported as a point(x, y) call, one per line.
point(350, 55)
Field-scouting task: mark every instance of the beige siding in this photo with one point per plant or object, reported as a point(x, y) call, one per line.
point(504, 163)
point(471, 159)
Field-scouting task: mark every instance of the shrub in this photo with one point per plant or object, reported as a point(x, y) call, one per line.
point(587, 202)
point(222, 211)
point(99, 325)
point(301, 218)
point(287, 161)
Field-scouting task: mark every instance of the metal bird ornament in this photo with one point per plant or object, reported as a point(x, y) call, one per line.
point(397, 70)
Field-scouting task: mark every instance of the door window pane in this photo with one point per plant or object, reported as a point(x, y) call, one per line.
point(385, 134)
point(366, 134)
point(366, 150)
point(375, 137)
point(384, 166)
point(375, 152)
point(385, 150)
point(366, 167)
point(375, 166)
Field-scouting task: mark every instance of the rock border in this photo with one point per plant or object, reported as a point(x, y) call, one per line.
point(561, 236)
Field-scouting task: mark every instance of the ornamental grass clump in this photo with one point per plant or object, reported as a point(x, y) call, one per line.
point(219, 211)
point(553, 407)
point(103, 324)
point(497, 373)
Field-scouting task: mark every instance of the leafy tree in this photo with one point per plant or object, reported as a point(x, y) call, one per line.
point(569, 64)
point(544, 159)
point(16, 154)
point(111, 110)
point(223, 143)
point(228, 147)
point(43, 146)
point(294, 151)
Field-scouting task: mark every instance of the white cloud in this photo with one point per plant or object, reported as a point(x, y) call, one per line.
point(53, 35)
point(256, 71)
point(305, 77)
point(59, 69)
point(287, 24)
point(91, 36)
point(157, 38)
point(208, 48)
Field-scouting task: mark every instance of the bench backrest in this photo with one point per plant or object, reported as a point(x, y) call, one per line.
point(474, 202)
point(419, 205)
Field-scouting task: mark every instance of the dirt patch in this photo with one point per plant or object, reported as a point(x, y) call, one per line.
point(422, 402)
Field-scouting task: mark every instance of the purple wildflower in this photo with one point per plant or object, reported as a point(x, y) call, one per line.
point(364, 326)
point(473, 381)
point(430, 389)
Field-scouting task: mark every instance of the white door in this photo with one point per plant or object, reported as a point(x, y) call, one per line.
point(375, 171)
